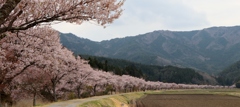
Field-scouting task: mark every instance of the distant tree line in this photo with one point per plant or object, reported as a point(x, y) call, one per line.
point(103, 65)
point(230, 75)
point(168, 74)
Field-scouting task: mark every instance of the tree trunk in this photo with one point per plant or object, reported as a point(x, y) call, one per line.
point(54, 90)
point(0, 99)
point(54, 94)
point(79, 92)
point(34, 99)
point(94, 90)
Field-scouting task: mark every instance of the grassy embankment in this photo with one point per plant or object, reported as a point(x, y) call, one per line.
point(119, 100)
point(127, 100)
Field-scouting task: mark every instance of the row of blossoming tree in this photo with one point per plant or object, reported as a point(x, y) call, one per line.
point(28, 59)
point(34, 64)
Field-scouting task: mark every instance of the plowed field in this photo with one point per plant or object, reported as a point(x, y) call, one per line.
point(188, 101)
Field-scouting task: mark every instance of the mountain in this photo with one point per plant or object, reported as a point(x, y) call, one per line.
point(209, 50)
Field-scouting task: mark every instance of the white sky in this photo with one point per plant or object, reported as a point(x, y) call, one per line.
point(142, 16)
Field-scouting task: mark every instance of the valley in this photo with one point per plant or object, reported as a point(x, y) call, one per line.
point(46, 60)
point(209, 51)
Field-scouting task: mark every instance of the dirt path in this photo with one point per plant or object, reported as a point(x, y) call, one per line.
point(75, 103)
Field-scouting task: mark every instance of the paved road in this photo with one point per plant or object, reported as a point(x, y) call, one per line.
point(75, 103)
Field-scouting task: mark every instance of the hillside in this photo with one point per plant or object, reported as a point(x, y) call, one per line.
point(167, 74)
point(209, 50)
point(230, 75)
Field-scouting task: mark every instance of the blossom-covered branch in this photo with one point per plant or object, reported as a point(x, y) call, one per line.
point(18, 15)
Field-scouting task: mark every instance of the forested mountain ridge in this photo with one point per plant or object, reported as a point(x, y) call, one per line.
point(209, 50)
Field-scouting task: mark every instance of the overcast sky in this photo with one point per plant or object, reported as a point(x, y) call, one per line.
point(142, 16)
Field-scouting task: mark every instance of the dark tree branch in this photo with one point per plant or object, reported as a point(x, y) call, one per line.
point(8, 80)
point(34, 22)
point(14, 18)
point(6, 9)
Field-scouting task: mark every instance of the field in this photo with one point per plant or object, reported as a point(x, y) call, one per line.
point(188, 100)
point(181, 98)
point(174, 98)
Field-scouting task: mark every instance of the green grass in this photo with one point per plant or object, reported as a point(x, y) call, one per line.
point(99, 103)
point(129, 97)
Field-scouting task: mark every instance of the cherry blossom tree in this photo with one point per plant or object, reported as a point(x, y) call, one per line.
point(29, 83)
point(18, 15)
point(77, 80)
point(120, 83)
point(17, 55)
point(107, 83)
point(115, 82)
point(24, 49)
point(62, 64)
point(97, 79)
point(31, 48)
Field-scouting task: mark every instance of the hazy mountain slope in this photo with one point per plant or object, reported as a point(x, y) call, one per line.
point(79, 45)
point(209, 50)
